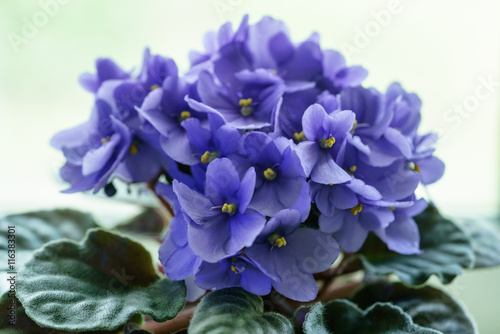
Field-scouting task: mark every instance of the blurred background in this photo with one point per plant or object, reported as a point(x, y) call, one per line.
point(447, 52)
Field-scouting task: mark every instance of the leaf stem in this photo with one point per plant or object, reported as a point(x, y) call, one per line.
point(151, 186)
point(181, 321)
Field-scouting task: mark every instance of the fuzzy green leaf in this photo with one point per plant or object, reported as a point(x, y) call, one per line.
point(446, 250)
point(485, 239)
point(97, 284)
point(149, 221)
point(34, 229)
point(343, 317)
point(234, 310)
point(428, 306)
point(16, 321)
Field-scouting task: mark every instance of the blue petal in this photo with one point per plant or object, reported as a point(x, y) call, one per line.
point(326, 171)
point(401, 236)
point(246, 190)
point(342, 197)
point(222, 182)
point(96, 159)
point(198, 136)
point(178, 147)
point(297, 285)
point(255, 281)
point(375, 218)
point(312, 122)
point(431, 169)
point(226, 139)
point(244, 229)
point(194, 204)
point(179, 262)
point(402, 142)
point(308, 153)
point(207, 240)
point(313, 251)
point(213, 275)
point(352, 235)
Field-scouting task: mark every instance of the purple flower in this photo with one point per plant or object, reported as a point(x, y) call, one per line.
point(269, 46)
point(329, 198)
point(258, 129)
point(213, 42)
point(93, 150)
point(350, 227)
point(324, 135)
point(175, 254)
point(106, 69)
point(336, 75)
point(404, 108)
point(402, 235)
point(280, 180)
point(221, 222)
point(234, 271)
point(429, 168)
point(289, 255)
point(104, 148)
point(220, 140)
point(293, 106)
point(395, 182)
point(166, 110)
point(386, 124)
point(125, 96)
point(368, 105)
point(249, 101)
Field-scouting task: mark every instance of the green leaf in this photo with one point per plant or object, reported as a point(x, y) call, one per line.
point(233, 310)
point(428, 306)
point(34, 229)
point(97, 284)
point(484, 236)
point(343, 317)
point(446, 250)
point(150, 221)
point(22, 324)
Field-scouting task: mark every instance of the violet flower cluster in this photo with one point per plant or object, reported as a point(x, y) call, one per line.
point(260, 137)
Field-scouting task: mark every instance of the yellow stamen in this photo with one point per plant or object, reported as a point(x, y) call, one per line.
point(105, 140)
point(233, 268)
point(330, 184)
point(279, 242)
point(154, 87)
point(353, 168)
point(276, 240)
point(246, 107)
point(245, 102)
point(185, 115)
point(299, 136)
point(327, 143)
point(133, 149)
point(354, 125)
point(269, 174)
point(205, 156)
point(273, 71)
point(229, 208)
point(392, 208)
point(357, 209)
point(414, 167)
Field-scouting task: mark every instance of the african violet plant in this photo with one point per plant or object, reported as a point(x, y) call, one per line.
point(291, 191)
